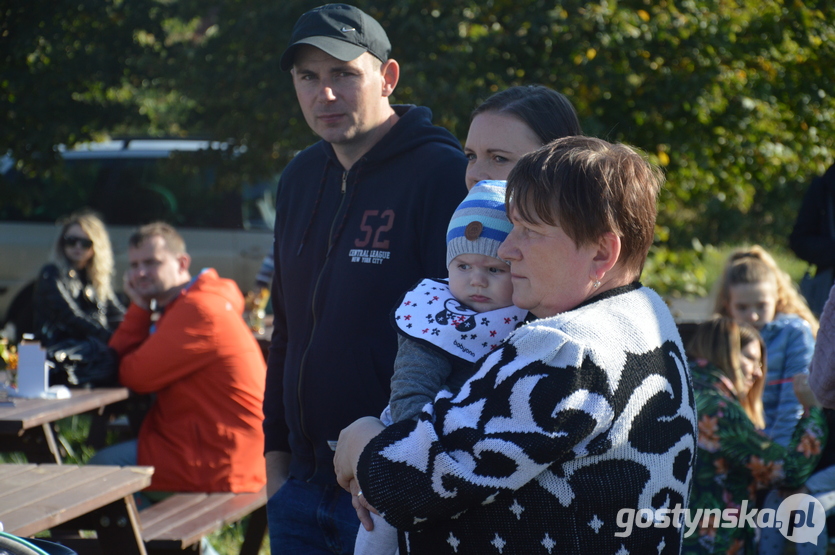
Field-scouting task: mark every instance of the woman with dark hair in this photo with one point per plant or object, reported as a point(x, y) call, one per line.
point(583, 412)
point(511, 123)
point(76, 309)
point(735, 458)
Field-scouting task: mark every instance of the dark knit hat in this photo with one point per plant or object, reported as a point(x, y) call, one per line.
point(479, 224)
point(343, 31)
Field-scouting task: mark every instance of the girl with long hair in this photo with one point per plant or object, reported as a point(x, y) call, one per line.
point(755, 290)
point(734, 457)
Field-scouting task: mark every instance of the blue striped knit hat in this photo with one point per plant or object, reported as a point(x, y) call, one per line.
point(479, 224)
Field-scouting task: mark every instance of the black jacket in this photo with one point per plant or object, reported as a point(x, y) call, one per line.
point(67, 307)
point(342, 259)
point(811, 239)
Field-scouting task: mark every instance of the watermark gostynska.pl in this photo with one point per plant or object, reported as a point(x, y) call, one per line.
point(800, 518)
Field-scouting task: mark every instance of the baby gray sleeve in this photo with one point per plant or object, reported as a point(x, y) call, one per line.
point(420, 372)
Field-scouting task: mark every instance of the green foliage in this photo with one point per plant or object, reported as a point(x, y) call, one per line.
point(228, 540)
point(680, 272)
point(63, 64)
point(734, 99)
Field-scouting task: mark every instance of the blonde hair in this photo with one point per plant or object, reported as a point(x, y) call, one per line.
point(756, 265)
point(100, 268)
point(720, 341)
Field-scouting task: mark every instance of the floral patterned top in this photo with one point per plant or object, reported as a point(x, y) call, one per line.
point(734, 460)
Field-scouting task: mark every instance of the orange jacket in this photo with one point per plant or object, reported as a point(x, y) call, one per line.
point(204, 431)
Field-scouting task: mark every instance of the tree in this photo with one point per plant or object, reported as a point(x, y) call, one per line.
point(64, 65)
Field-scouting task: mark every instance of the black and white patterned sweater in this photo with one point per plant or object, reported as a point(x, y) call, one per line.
point(572, 419)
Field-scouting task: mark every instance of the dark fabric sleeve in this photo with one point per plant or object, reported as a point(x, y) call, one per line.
point(55, 305)
point(822, 368)
point(276, 431)
point(810, 239)
point(419, 374)
point(115, 313)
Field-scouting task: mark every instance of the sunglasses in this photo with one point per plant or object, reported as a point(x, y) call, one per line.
point(68, 241)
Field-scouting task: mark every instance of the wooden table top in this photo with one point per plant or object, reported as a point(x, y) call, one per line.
point(34, 498)
point(28, 413)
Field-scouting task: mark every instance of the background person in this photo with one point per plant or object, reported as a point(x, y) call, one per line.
point(822, 382)
point(822, 367)
point(813, 237)
point(75, 307)
point(753, 289)
point(444, 326)
point(511, 123)
point(735, 459)
point(360, 218)
point(184, 339)
point(820, 485)
point(577, 414)
point(258, 297)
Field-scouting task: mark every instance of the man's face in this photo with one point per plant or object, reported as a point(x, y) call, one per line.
point(342, 102)
point(154, 271)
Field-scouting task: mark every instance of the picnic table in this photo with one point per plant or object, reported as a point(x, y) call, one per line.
point(26, 425)
point(34, 498)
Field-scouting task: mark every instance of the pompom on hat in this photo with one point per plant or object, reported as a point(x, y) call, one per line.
point(479, 224)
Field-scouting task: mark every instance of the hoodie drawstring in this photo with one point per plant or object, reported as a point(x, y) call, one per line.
point(347, 210)
point(315, 211)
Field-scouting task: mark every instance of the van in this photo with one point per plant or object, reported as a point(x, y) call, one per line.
point(191, 184)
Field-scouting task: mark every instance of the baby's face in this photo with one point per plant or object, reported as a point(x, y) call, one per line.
point(481, 282)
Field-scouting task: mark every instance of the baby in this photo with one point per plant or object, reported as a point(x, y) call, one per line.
point(445, 326)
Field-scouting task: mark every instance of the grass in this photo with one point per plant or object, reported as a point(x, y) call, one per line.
point(72, 434)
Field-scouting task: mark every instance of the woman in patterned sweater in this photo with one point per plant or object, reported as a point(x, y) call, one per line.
point(735, 459)
point(583, 412)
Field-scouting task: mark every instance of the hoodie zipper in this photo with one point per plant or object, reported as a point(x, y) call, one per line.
point(313, 329)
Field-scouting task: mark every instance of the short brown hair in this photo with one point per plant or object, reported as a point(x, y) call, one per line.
point(173, 240)
point(588, 187)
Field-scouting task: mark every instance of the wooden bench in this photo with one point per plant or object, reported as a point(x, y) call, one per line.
point(179, 522)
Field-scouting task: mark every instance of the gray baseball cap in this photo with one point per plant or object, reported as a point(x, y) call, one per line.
point(342, 31)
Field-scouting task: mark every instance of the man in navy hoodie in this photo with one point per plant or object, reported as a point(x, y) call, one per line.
point(361, 216)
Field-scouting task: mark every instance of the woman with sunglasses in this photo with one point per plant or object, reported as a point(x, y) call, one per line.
point(75, 306)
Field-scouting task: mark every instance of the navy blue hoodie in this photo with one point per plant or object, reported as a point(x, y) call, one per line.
point(348, 244)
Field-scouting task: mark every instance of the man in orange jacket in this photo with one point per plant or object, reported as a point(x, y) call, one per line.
point(185, 340)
